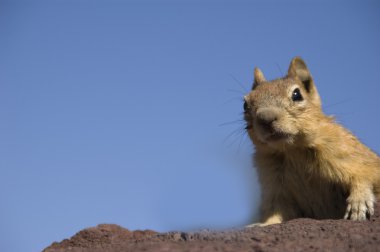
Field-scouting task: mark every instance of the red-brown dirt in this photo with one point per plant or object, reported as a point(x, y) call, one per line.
point(294, 235)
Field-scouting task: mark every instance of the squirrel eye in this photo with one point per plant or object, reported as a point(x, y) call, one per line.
point(296, 95)
point(245, 106)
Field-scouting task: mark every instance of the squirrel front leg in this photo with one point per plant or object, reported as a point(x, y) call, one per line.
point(274, 217)
point(274, 209)
point(276, 212)
point(360, 202)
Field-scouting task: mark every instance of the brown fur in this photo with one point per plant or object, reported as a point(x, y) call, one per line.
point(308, 165)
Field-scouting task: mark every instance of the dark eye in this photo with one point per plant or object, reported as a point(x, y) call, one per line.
point(245, 106)
point(296, 95)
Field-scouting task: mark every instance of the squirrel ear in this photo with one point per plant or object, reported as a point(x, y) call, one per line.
point(299, 70)
point(258, 77)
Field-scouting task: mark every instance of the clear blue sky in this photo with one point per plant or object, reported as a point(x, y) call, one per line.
point(110, 111)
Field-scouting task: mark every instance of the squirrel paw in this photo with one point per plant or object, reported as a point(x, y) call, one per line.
point(255, 225)
point(360, 206)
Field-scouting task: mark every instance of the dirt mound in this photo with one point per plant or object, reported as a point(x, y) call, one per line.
point(295, 235)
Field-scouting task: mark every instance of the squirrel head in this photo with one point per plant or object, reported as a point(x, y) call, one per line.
point(278, 112)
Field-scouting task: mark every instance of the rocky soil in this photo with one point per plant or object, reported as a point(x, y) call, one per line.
point(294, 235)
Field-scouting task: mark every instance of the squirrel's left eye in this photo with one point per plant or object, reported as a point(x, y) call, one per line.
point(296, 95)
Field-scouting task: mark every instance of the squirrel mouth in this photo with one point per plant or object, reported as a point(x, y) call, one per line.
point(276, 136)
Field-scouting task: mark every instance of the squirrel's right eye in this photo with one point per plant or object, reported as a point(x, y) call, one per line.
point(245, 106)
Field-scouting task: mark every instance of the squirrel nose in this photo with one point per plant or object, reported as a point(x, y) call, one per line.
point(266, 117)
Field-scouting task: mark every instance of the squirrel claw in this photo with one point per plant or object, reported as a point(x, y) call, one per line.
point(360, 208)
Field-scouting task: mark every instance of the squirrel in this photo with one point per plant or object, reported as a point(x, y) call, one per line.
point(308, 165)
